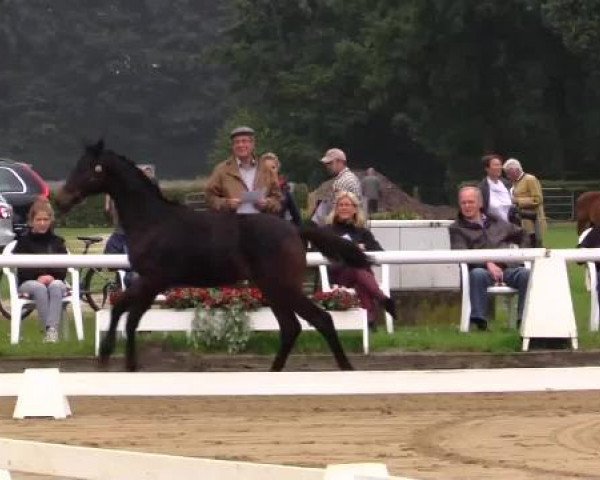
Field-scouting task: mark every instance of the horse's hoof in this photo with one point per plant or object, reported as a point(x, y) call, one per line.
point(131, 366)
point(346, 366)
point(103, 361)
point(106, 349)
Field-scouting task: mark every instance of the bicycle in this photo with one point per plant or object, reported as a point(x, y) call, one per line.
point(97, 284)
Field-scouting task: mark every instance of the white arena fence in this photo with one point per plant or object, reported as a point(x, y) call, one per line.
point(87, 463)
point(104, 464)
point(314, 259)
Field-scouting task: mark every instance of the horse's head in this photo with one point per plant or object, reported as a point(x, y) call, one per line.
point(87, 178)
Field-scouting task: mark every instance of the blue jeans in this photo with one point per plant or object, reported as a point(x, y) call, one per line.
point(480, 279)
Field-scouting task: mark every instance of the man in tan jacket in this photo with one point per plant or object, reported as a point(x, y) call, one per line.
point(241, 183)
point(527, 196)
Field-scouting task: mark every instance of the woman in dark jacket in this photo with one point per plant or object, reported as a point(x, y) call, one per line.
point(46, 286)
point(347, 221)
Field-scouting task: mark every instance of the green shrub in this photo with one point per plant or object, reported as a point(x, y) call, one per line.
point(89, 213)
point(301, 195)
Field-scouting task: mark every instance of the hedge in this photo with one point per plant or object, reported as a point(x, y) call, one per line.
point(90, 212)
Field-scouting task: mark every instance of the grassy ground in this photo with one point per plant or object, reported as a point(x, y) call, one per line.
point(443, 337)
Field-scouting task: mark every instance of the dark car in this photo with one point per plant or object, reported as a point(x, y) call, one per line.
point(20, 185)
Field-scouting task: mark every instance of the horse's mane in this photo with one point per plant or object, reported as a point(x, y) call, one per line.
point(121, 163)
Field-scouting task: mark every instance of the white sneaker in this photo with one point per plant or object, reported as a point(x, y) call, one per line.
point(51, 335)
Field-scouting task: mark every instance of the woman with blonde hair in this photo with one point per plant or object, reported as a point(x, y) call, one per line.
point(289, 210)
point(347, 220)
point(44, 285)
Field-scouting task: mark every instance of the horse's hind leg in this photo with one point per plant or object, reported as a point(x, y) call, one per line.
point(107, 347)
point(289, 329)
point(322, 321)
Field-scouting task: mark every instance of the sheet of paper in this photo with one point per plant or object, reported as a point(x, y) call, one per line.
point(245, 208)
point(249, 199)
point(253, 196)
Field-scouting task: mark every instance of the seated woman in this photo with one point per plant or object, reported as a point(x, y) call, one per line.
point(348, 221)
point(45, 286)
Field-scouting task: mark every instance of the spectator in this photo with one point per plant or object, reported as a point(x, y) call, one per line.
point(527, 196)
point(241, 183)
point(348, 221)
point(495, 191)
point(475, 230)
point(371, 189)
point(46, 286)
point(289, 210)
point(344, 181)
point(590, 238)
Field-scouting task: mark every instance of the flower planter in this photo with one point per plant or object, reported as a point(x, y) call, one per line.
point(170, 320)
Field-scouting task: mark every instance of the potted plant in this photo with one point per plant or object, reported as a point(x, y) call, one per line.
point(337, 300)
point(221, 315)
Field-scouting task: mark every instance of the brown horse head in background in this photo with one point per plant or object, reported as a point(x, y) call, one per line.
point(587, 210)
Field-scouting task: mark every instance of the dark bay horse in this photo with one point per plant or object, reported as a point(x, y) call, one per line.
point(171, 245)
point(587, 210)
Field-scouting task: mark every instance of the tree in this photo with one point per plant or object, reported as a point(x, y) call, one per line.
point(135, 72)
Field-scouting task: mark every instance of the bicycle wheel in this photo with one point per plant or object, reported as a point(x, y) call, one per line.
point(98, 284)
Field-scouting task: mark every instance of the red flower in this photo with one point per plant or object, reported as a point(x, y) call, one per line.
point(337, 299)
point(246, 298)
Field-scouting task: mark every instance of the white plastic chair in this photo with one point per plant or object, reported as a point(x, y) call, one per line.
point(591, 284)
point(17, 302)
point(592, 276)
point(384, 285)
point(511, 293)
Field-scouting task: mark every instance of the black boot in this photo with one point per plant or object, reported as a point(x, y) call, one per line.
point(390, 307)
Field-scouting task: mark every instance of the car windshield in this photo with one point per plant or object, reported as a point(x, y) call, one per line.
point(9, 181)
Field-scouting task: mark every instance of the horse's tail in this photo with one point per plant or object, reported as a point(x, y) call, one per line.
point(334, 248)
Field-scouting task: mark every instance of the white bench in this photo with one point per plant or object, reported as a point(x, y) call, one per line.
point(263, 320)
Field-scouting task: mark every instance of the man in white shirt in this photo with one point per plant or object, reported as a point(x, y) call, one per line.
point(495, 190)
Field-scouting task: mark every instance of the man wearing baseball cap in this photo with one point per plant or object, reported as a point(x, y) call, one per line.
point(241, 183)
point(344, 181)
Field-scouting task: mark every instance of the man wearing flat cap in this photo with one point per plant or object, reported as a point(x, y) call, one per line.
point(241, 183)
point(344, 181)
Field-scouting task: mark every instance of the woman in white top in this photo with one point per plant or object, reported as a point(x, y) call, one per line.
point(495, 189)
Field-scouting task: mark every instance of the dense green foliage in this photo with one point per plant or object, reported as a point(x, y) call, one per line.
point(419, 89)
point(136, 72)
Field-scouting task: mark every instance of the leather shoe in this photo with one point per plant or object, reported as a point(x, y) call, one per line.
point(390, 307)
point(480, 323)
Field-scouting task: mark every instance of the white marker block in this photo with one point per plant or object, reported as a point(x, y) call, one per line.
point(41, 395)
point(548, 311)
point(4, 475)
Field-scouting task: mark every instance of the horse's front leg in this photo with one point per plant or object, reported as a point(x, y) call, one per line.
point(107, 346)
point(140, 303)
